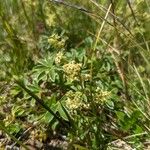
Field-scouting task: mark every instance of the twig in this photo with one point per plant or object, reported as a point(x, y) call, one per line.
point(133, 14)
point(82, 9)
point(71, 5)
point(102, 8)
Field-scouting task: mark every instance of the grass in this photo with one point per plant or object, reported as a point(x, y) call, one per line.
point(103, 97)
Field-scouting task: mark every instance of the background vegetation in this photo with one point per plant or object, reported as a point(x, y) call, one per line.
point(76, 72)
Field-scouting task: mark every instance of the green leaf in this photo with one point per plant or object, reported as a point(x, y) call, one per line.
point(14, 128)
point(52, 74)
point(32, 102)
point(51, 101)
point(138, 130)
point(48, 117)
point(34, 88)
point(120, 115)
point(79, 147)
point(110, 104)
point(62, 113)
point(42, 76)
point(55, 125)
point(3, 128)
point(17, 111)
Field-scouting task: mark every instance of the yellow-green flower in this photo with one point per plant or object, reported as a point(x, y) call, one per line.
point(72, 70)
point(58, 57)
point(56, 41)
point(101, 96)
point(73, 100)
point(86, 77)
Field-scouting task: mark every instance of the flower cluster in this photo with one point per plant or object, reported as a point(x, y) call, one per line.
point(58, 57)
point(72, 70)
point(38, 134)
point(86, 77)
point(56, 41)
point(102, 96)
point(74, 100)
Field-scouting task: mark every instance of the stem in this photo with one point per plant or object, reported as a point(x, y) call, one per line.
point(40, 101)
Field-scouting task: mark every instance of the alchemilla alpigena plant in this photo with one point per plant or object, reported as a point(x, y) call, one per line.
point(76, 71)
point(84, 99)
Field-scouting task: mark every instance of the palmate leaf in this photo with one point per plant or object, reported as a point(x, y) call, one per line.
point(45, 69)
